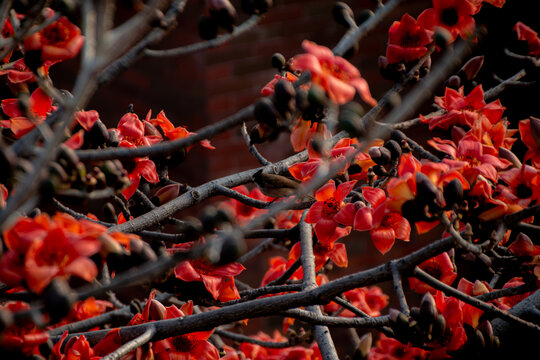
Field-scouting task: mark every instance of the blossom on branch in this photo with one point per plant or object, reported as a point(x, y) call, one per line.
point(338, 77)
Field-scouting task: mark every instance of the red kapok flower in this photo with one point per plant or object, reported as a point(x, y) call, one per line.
point(527, 34)
point(59, 41)
point(453, 15)
point(77, 348)
point(465, 110)
point(384, 225)
point(172, 132)
point(193, 345)
point(42, 248)
point(338, 77)
point(407, 40)
point(329, 210)
point(388, 348)
point(370, 300)
point(215, 278)
point(21, 338)
point(39, 105)
point(440, 267)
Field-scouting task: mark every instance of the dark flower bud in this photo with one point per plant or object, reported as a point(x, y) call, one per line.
point(150, 130)
point(141, 252)
point(99, 133)
point(453, 82)
point(278, 61)
point(471, 68)
point(265, 112)
point(350, 119)
point(394, 147)
point(363, 16)
point(398, 136)
point(208, 218)
point(415, 312)
point(380, 155)
point(58, 299)
point(342, 13)
point(439, 327)
point(453, 192)
point(379, 170)
point(58, 171)
point(427, 192)
point(66, 153)
point(354, 169)
point(442, 38)
point(113, 139)
point(510, 156)
point(109, 213)
point(428, 310)
point(302, 102)
point(223, 12)
point(284, 96)
point(317, 95)
point(156, 310)
point(232, 246)
point(256, 6)
point(207, 28)
point(364, 346)
point(487, 330)
point(166, 194)
point(257, 135)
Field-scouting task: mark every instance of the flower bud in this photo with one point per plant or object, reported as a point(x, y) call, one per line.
point(284, 96)
point(58, 299)
point(471, 68)
point(278, 61)
point(442, 37)
point(265, 112)
point(166, 194)
point(232, 247)
point(395, 149)
point(113, 140)
point(223, 12)
point(453, 192)
point(428, 310)
point(439, 327)
point(380, 155)
point(207, 28)
point(453, 82)
point(510, 156)
point(487, 330)
point(342, 13)
point(150, 130)
point(379, 170)
point(427, 192)
point(156, 310)
point(98, 134)
point(364, 346)
point(350, 119)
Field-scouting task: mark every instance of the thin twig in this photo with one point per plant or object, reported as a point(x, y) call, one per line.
point(496, 90)
point(252, 149)
point(247, 339)
point(220, 40)
point(398, 288)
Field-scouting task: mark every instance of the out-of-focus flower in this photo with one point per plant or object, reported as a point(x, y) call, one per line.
point(338, 77)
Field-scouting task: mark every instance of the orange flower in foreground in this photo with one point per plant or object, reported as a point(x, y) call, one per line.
point(338, 77)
